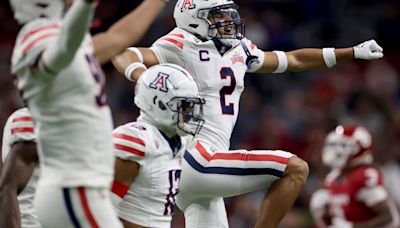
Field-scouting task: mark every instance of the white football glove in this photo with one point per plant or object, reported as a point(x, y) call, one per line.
point(368, 50)
point(319, 199)
point(340, 223)
point(318, 203)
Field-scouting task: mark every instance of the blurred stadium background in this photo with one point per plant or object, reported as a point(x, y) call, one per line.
point(289, 111)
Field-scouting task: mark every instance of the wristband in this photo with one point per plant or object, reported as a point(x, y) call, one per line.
point(282, 62)
point(119, 190)
point(133, 67)
point(137, 52)
point(329, 56)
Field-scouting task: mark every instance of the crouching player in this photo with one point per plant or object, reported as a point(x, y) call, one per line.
point(149, 151)
point(20, 172)
point(354, 195)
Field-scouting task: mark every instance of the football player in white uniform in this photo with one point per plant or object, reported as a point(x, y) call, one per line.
point(149, 151)
point(20, 173)
point(209, 42)
point(55, 61)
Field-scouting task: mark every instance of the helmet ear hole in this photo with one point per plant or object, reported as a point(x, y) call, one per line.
point(161, 105)
point(42, 5)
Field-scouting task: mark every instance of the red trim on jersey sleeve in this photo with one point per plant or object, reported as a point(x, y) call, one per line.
point(38, 39)
point(129, 150)
point(27, 35)
point(177, 35)
point(252, 46)
point(129, 138)
point(240, 156)
point(22, 119)
point(367, 176)
point(22, 130)
point(119, 189)
point(175, 42)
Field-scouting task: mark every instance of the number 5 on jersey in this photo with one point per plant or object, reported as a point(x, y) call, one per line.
point(98, 75)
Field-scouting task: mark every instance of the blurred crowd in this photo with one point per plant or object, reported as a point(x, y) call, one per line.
point(292, 111)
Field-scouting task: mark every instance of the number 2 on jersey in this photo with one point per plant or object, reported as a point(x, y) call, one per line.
point(98, 75)
point(227, 109)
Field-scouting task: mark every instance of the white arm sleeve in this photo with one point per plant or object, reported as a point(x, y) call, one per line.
point(256, 52)
point(61, 51)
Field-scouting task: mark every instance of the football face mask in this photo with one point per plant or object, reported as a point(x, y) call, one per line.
point(336, 153)
point(346, 146)
point(224, 22)
point(189, 114)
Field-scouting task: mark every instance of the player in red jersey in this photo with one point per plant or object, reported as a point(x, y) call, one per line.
point(354, 195)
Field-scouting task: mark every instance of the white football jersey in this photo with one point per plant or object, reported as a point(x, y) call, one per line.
point(19, 128)
point(150, 200)
point(72, 119)
point(220, 78)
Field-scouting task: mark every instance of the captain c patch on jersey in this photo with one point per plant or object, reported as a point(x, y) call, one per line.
point(160, 82)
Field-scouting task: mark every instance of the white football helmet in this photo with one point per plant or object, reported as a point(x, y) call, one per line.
point(169, 95)
point(347, 145)
point(28, 10)
point(203, 18)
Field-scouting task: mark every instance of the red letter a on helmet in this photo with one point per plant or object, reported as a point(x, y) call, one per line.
point(187, 4)
point(160, 82)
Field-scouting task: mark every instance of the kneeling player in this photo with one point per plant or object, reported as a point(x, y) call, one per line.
point(149, 151)
point(20, 173)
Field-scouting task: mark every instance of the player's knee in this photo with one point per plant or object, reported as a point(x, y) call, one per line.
point(297, 168)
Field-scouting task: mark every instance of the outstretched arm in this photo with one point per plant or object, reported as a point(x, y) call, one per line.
point(75, 25)
point(134, 61)
point(17, 171)
point(126, 31)
point(312, 58)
